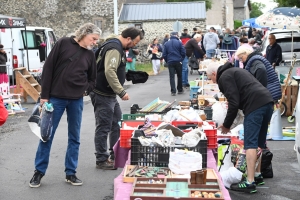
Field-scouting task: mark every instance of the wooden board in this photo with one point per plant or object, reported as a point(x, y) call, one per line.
point(290, 98)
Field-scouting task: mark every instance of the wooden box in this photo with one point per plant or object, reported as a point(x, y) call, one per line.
point(177, 188)
point(184, 103)
point(290, 98)
point(131, 179)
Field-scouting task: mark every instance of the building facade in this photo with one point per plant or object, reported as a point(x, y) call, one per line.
point(64, 16)
point(221, 13)
point(161, 18)
point(242, 9)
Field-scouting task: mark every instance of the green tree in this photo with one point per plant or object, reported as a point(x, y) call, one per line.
point(288, 3)
point(237, 24)
point(208, 3)
point(256, 9)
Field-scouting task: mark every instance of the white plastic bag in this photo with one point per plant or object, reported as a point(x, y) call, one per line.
point(183, 162)
point(219, 111)
point(238, 120)
point(192, 138)
point(231, 176)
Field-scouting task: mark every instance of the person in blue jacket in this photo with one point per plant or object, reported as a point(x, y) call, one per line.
point(174, 53)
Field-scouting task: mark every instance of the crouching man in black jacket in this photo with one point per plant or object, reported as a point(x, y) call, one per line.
point(243, 91)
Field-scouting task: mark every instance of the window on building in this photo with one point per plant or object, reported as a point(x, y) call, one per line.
point(138, 25)
point(98, 23)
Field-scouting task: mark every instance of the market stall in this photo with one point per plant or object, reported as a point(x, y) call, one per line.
point(169, 153)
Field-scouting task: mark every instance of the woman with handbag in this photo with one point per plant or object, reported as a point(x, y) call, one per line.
point(156, 51)
point(131, 58)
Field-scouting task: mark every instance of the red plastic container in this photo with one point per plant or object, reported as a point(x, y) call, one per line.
point(211, 135)
point(136, 123)
point(212, 142)
point(185, 123)
point(125, 137)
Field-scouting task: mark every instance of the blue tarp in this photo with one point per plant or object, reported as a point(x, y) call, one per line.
point(251, 22)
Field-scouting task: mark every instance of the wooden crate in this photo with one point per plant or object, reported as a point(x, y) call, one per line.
point(131, 179)
point(178, 187)
point(290, 99)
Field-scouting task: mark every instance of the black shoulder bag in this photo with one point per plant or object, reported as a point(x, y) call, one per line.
point(66, 63)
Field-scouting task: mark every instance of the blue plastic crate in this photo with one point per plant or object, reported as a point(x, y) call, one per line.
point(194, 91)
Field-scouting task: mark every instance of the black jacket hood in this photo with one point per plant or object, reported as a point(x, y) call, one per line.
point(222, 68)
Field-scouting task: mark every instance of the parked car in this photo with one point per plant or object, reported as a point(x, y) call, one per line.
point(284, 39)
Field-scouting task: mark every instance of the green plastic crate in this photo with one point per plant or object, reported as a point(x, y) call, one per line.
point(132, 116)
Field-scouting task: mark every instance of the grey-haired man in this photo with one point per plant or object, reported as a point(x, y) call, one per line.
point(63, 84)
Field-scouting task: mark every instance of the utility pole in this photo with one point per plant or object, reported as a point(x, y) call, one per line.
point(116, 17)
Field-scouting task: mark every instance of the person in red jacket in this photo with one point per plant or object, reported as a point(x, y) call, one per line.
point(185, 37)
point(3, 112)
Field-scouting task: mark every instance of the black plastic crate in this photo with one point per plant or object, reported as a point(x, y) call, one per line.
point(159, 156)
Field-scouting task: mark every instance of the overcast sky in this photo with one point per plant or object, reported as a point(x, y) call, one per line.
point(270, 4)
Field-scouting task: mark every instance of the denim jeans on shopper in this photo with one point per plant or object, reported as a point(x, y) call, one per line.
point(210, 53)
point(175, 67)
point(73, 109)
point(108, 117)
point(185, 71)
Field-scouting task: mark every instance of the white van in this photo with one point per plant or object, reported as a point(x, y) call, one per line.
point(40, 42)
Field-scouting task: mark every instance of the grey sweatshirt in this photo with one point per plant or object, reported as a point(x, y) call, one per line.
point(211, 40)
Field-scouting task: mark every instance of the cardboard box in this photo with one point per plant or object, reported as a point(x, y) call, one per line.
point(184, 103)
point(211, 89)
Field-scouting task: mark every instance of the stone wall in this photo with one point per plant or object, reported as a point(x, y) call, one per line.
point(64, 16)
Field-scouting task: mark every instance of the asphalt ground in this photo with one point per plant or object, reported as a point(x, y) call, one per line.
point(18, 147)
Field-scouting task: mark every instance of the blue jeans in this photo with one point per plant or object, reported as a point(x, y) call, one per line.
point(185, 71)
point(74, 109)
point(210, 53)
point(256, 127)
point(175, 67)
point(108, 116)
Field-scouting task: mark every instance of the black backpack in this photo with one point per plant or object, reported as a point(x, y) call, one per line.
point(227, 39)
point(266, 164)
point(193, 62)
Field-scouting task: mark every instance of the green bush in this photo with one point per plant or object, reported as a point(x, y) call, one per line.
point(237, 24)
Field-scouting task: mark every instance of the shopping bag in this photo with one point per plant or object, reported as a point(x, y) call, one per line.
point(46, 121)
point(40, 121)
point(266, 164)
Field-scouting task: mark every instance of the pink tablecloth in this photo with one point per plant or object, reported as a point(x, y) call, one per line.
point(122, 190)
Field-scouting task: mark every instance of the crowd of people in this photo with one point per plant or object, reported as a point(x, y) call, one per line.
point(210, 45)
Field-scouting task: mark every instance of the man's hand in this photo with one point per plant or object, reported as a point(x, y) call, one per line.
point(224, 130)
point(125, 97)
point(42, 101)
